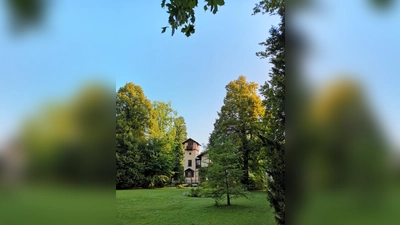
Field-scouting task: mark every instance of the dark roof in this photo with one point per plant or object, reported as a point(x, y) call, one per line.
point(201, 154)
point(191, 140)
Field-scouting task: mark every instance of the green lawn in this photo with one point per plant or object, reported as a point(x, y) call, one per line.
point(169, 206)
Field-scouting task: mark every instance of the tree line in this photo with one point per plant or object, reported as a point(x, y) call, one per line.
point(149, 136)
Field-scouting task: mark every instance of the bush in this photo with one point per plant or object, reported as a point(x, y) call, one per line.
point(180, 186)
point(256, 182)
point(194, 192)
point(207, 193)
point(204, 184)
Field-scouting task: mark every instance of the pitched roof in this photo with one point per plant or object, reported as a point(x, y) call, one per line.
point(201, 154)
point(191, 140)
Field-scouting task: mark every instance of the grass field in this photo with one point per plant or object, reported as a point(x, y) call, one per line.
point(169, 206)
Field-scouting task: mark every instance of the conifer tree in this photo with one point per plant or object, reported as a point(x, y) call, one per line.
point(224, 172)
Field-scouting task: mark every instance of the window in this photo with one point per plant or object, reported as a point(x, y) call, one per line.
point(189, 173)
point(189, 163)
point(198, 163)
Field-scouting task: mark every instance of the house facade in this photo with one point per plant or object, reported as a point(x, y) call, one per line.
point(193, 161)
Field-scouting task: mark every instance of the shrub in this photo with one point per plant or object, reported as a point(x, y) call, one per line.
point(194, 192)
point(180, 186)
point(204, 184)
point(207, 193)
point(256, 182)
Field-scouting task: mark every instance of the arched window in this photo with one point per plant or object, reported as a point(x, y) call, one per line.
point(189, 173)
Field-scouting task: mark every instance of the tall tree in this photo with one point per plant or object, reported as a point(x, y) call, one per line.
point(164, 116)
point(274, 93)
point(348, 145)
point(133, 121)
point(149, 136)
point(239, 120)
point(178, 152)
point(76, 129)
point(161, 144)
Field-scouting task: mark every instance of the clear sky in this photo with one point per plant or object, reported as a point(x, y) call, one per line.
point(121, 41)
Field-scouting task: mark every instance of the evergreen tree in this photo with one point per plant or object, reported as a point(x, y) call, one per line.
point(274, 93)
point(224, 173)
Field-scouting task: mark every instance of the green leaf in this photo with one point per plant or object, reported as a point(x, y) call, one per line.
point(190, 30)
point(163, 3)
point(192, 3)
point(205, 8)
point(184, 29)
point(215, 9)
point(219, 2)
point(163, 29)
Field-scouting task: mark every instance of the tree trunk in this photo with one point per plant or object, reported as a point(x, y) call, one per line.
point(228, 199)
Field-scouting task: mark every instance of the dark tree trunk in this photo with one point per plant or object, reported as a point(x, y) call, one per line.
point(228, 199)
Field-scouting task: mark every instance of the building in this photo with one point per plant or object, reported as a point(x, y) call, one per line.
point(193, 161)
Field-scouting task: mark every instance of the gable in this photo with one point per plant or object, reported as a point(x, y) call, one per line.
point(191, 141)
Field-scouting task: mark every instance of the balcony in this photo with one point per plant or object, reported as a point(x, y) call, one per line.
point(191, 147)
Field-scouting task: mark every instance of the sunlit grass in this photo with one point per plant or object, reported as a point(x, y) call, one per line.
point(169, 206)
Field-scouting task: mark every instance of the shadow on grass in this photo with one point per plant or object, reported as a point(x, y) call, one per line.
point(232, 206)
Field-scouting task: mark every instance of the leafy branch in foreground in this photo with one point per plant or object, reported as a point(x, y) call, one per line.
point(182, 14)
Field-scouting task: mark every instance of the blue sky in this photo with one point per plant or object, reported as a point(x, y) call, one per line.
point(354, 39)
point(121, 41)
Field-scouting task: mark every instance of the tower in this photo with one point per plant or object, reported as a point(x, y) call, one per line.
point(191, 152)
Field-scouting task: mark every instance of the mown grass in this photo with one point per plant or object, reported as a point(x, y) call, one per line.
point(169, 206)
point(42, 204)
point(348, 207)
